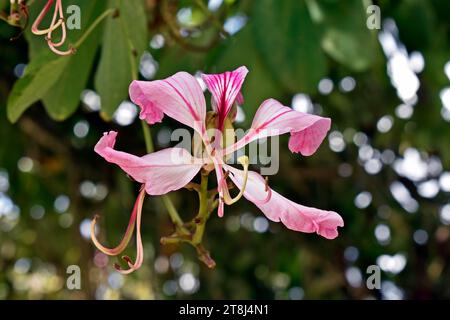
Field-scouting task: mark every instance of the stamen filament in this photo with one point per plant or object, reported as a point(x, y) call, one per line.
point(244, 161)
point(63, 35)
point(128, 233)
point(58, 10)
point(139, 247)
point(35, 27)
point(49, 29)
point(69, 51)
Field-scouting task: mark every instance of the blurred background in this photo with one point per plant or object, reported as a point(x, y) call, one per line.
point(385, 165)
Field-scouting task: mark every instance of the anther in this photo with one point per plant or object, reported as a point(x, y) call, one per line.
point(127, 259)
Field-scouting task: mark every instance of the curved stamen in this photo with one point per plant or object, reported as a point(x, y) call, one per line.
point(49, 29)
point(69, 51)
point(128, 233)
point(244, 161)
point(58, 11)
point(54, 25)
point(139, 247)
point(57, 21)
point(236, 177)
point(63, 35)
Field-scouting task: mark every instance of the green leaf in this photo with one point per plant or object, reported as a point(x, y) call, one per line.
point(124, 40)
point(39, 77)
point(289, 43)
point(134, 23)
point(64, 96)
point(346, 37)
point(416, 24)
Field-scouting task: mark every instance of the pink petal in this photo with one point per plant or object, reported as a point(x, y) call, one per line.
point(280, 209)
point(225, 89)
point(179, 96)
point(162, 171)
point(240, 99)
point(272, 118)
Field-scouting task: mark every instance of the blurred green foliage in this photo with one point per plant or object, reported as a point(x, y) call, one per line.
point(290, 47)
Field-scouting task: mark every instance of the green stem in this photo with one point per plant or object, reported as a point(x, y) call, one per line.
point(94, 24)
point(147, 137)
point(203, 213)
point(173, 212)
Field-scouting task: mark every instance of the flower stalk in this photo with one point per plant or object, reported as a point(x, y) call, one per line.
point(203, 213)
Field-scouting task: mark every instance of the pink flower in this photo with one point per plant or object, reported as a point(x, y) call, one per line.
point(181, 98)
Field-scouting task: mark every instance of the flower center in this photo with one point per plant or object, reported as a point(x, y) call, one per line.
point(215, 139)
